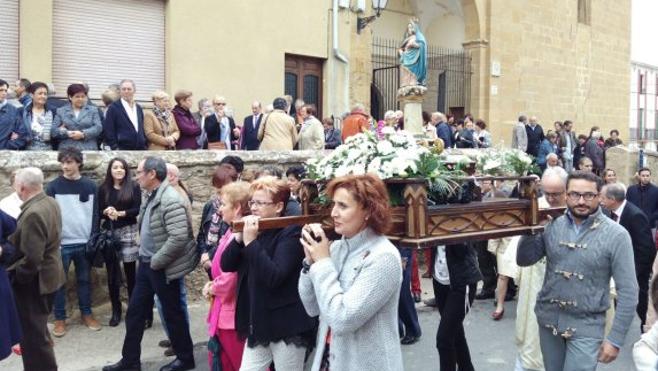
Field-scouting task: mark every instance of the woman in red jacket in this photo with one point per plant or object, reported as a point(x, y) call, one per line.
point(189, 128)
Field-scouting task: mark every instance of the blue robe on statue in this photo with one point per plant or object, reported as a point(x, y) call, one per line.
point(10, 325)
point(415, 59)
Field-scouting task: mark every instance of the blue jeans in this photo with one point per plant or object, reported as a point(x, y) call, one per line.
point(75, 253)
point(183, 303)
point(407, 316)
point(574, 354)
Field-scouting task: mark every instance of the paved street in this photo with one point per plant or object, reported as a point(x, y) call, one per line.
point(491, 343)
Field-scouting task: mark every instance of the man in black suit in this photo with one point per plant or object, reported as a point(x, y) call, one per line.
point(629, 216)
point(123, 127)
point(249, 136)
point(535, 135)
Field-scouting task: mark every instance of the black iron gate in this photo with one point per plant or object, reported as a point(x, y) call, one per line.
point(448, 79)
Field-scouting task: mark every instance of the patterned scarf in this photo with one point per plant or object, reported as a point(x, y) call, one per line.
point(162, 116)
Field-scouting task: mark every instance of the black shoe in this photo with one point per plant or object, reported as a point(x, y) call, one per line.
point(169, 352)
point(116, 317)
point(178, 365)
point(484, 295)
point(430, 302)
point(164, 343)
point(416, 296)
point(408, 340)
point(120, 366)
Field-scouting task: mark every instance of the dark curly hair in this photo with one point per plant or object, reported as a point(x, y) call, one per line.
point(370, 192)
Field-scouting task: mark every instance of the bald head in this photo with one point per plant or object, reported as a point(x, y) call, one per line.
point(554, 186)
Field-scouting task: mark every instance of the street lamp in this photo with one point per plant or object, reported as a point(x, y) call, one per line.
point(378, 6)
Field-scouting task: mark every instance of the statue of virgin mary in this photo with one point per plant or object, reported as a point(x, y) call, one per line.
point(413, 56)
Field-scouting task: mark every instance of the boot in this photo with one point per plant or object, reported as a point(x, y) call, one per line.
point(116, 315)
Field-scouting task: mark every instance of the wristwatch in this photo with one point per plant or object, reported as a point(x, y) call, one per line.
point(305, 266)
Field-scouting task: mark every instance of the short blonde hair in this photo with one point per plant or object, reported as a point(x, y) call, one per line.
point(219, 98)
point(277, 188)
point(109, 96)
point(237, 193)
point(159, 95)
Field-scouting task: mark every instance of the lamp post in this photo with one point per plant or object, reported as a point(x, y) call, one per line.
point(362, 22)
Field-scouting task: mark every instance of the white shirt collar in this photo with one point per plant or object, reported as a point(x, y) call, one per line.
point(132, 112)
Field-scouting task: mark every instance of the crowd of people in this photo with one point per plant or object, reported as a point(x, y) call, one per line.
point(277, 296)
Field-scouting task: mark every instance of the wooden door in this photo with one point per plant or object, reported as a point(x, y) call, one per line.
point(303, 79)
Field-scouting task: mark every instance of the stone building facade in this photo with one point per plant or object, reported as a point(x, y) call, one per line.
point(556, 59)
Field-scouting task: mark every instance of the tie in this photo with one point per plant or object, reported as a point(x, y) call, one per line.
point(614, 216)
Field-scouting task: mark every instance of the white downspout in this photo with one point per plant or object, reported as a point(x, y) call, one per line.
point(339, 56)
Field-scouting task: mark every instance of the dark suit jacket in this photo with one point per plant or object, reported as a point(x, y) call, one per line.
point(646, 198)
point(268, 305)
point(119, 132)
point(37, 239)
point(213, 128)
point(443, 131)
point(637, 225)
point(249, 138)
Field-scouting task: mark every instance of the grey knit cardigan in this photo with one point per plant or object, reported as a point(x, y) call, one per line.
point(355, 292)
point(170, 227)
point(576, 290)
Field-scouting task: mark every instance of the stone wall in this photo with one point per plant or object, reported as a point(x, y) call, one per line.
point(626, 161)
point(196, 169)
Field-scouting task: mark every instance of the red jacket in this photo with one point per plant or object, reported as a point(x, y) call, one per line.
point(355, 123)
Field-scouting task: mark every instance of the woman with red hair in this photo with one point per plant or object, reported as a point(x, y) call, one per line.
point(354, 284)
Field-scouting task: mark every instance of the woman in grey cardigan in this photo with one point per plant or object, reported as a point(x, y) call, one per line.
point(354, 284)
point(77, 124)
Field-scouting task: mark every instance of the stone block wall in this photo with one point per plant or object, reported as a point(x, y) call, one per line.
point(196, 169)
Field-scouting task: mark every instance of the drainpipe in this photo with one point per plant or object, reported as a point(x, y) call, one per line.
point(339, 56)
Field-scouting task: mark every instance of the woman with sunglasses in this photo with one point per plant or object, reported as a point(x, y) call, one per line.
point(269, 312)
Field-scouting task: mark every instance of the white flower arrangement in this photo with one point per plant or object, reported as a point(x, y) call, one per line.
point(504, 162)
point(396, 155)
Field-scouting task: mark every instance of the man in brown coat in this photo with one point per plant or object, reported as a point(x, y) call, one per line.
point(36, 271)
point(278, 131)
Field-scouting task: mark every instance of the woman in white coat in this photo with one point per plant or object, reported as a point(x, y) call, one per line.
point(354, 284)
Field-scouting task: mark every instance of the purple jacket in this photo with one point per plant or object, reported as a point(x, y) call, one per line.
point(189, 128)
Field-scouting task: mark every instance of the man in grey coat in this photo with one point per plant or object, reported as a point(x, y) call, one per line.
point(584, 249)
point(519, 135)
point(167, 253)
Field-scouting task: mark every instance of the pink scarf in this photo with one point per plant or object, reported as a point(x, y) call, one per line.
point(222, 309)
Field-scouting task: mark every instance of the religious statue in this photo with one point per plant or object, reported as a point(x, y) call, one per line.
point(413, 56)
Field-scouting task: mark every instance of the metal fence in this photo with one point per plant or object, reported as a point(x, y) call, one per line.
point(448, 79)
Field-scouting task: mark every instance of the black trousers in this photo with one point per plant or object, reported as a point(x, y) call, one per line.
point(643, 300)
point(487, 263)
point(33, 310)
point(407, 315)
point(450, 338)
point(114, 281)
point(148, 283)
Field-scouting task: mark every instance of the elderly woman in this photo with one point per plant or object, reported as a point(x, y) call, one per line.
point(160, 126)
point(269, 312)
point(77, 124)
point(38, 119)
point(187, 125)
point(225, 345)
point(311, 134)
point(354, 284)
point(220, 126)
point(594, 150)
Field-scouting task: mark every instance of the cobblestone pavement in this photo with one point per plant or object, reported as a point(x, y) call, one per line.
point(491, 343)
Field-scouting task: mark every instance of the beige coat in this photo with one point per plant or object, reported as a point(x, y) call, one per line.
point(155, 133)
point(277, 132)
point(311, 136)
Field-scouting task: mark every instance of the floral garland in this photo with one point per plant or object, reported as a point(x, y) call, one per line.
point(505, 162)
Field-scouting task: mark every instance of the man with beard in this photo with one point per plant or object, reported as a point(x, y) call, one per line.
point(584, 249)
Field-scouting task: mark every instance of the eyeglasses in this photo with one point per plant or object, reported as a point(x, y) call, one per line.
point(259, 204)
point(219, 104)
point(553, 195)
point(575, 196)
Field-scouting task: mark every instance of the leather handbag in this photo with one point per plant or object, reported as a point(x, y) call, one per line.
point(217, 145)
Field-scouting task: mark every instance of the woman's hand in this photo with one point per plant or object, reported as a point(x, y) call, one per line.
point(207, 291)
point(250, 231)
point(314, 250)
point(205, 261)
point(108, 211)
point(76, 135)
